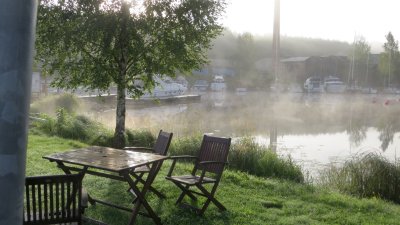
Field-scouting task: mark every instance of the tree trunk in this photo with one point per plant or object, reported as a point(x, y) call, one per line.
point(119, 134)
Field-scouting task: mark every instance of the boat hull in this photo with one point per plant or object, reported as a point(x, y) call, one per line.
point(335, 88)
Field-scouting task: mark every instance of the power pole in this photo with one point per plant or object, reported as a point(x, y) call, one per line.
point(276, 64)
point(17, 30)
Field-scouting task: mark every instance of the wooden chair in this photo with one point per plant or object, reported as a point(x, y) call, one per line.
point(160, 147)
point(211, 159)
point(53, 199)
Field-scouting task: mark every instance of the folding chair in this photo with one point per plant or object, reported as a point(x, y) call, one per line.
point(161, 147)
point(53, 199)
point(211, 159)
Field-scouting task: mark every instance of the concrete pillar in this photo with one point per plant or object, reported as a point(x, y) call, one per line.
point(17, 30)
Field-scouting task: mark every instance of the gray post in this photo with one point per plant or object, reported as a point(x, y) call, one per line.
point(17, 26)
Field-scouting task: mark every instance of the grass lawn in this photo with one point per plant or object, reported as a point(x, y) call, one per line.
point(247, 198)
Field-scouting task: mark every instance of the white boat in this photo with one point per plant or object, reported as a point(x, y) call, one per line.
point(314, 85)
point(333, 84)
point(369, 90)
point(200, 85)
point(218, 84)
point(165, 88)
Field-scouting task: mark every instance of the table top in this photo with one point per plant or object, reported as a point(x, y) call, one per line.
point(115, 160)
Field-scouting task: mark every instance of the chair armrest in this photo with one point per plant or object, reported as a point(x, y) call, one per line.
point(212, 162)
point(203, 163)
point(139, 149)
point(174, 158)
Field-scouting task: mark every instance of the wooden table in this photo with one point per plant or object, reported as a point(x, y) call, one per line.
point(114, 164)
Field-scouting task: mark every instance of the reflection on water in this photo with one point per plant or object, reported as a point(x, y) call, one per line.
point(313, 129)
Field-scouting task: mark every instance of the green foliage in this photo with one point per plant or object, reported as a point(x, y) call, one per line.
point(246, 155)
point(49, 104)
point(78, 127)
point(389, 63)
point(72, 127)
point(94, 44)
point(140, 138)
point(369, 175)
point(185, 145)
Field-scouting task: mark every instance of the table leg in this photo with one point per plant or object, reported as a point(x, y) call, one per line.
point(141, 194)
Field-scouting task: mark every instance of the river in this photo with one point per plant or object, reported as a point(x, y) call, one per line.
point(315, 130)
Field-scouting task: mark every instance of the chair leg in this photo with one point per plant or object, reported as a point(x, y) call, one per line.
point(210, 197)
point(185, 191)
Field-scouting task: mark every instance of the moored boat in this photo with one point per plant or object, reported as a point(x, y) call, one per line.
point(333, 84)
point(218, 84)
point(314, 85)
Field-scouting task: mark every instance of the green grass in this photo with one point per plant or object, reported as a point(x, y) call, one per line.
point(248, 198)
point(369, 175)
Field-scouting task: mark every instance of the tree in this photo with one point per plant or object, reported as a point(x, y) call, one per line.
point(244, 59)
point(97, 43)
point(361, 51)
point(389, 60)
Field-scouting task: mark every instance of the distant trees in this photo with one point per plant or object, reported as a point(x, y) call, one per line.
point(389, 63)
point(359, 62)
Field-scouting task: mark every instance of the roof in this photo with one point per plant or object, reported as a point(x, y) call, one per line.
point(295, 59)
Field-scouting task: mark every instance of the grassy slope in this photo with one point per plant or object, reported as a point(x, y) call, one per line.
point(245, 196)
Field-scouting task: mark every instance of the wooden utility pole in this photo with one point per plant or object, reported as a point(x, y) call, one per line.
point(276, 41)
point(276, 64)
point(17, 30)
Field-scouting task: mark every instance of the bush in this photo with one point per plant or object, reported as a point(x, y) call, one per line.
point(50, 104)
point(69, 126)
point(185, 145)
point(369, 175)
point(139, 138)
point(248, 156)
point(82, 128)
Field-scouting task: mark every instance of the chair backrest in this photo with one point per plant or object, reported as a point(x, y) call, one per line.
point(162, 144)
point(53, 199)
point(214, 149)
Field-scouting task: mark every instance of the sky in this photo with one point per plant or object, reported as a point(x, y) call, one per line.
point(327, 19)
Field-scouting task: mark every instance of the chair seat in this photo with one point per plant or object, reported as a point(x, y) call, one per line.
point(142, 169)
point(190, 179)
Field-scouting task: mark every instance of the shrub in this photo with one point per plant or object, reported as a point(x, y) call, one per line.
point(185, 145)
point(49, 104)
point(369, 175)
point(67, 125)
point(141, 138)
point(82, 128)
point(246, 155)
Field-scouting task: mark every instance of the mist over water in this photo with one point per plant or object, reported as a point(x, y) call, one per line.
point(314, 129)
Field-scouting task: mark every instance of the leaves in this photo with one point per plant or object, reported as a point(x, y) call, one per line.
point(94, 43)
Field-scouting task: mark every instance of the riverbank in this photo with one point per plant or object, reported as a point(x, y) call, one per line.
point(249, 199)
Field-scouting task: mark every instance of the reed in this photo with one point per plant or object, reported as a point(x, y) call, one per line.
point(369, 175)
point(249, 156)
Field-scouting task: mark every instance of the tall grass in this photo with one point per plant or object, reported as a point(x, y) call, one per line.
point(81, 128)
point(249, 156)
point(369, 175)
point(51, 103)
